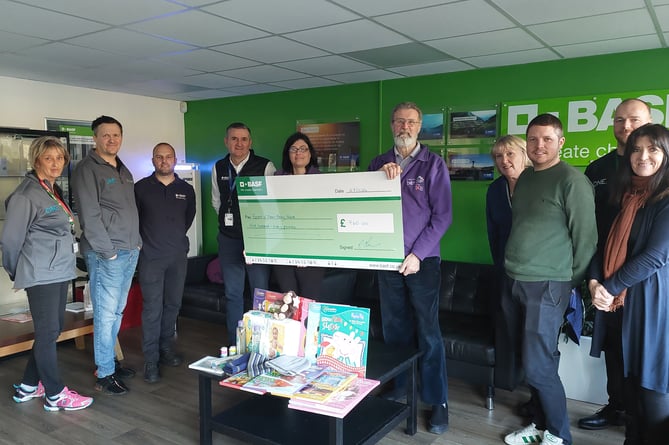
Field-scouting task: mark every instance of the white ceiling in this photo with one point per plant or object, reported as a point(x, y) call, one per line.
point(198, 49)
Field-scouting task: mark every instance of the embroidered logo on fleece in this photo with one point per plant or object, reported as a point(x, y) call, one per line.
point(180, 196)
point(111, 181)
point(418, 184)
point(51, 209)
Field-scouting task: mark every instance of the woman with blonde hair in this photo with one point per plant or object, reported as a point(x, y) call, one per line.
point(38, 253)
point(510, 157)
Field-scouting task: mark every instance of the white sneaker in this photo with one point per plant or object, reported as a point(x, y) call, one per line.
point(523, 436)
point(550, 439)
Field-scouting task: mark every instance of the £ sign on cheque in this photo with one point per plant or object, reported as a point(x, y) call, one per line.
point(351, 220)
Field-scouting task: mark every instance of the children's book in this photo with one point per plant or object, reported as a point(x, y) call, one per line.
point(323, 387)
point(337, 337)
point(238, 381)
point(341, 403)
point(276, 384)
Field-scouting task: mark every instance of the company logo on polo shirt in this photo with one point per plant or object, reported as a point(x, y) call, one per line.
point(51, 209)
point(111, 181)
point(180, 196)
point(251, 185)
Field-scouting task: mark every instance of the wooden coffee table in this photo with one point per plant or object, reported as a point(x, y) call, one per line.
point(19, 337)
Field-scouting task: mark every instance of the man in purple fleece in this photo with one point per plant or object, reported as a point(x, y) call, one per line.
point(410, 297)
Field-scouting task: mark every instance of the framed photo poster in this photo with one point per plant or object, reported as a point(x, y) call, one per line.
point(472, 163)
point(467, 127)
point(337, 144)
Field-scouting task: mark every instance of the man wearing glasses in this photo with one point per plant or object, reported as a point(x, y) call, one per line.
point(240, 161)
point(410, 298)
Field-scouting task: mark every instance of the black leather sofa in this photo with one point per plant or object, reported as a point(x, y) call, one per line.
point(202, 299)
point(468, 311)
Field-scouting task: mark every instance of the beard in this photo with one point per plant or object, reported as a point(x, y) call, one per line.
point(405, 140)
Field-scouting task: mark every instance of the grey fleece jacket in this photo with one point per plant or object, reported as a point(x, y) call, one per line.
point(37, 237)
point(105, 202)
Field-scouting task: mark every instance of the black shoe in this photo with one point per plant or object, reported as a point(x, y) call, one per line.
point(439, 421)
point(111, 386)
point(123, 372)
point(170, 358)
point(151, 372)
point(604, 418)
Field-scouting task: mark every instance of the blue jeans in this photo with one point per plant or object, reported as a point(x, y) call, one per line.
point(410, 309)
point(535, 311)
point(234, 270)
point(109, 284)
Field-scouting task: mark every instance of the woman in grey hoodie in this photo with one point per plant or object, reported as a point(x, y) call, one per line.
point(38, 253)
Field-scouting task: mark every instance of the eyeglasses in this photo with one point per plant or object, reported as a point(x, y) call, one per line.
point(298, 149)
point(409, 122)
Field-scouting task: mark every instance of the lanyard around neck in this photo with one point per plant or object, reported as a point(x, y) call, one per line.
point(61, 204)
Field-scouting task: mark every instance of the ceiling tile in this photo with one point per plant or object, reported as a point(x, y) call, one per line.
point(448, 66)
point(364, 76)
point(36, 69)
point(405, 54)
point(264, 73)
point(206, 60)
point(309, 82)
point(214, 81)
point(128, 42)
point(118, 12)
point(662, 13)
point(14, 42)
point(517, 58)
point(371, 8)
point(37, 22)
point(609, 46)
point(447, 20)
point(198, 28)
point(164, 86)
point(351, 36)
point(493, 42)
point(204, 94)
point(592, 29)
point(543, 11)
point(259, 88)
point(282, 16)
point(157, 70)
point(76, 56)
point(270, 49)
point(326, 65)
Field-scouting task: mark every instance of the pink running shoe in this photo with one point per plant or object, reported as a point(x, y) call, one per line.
point(67, 400)
point(23, 396)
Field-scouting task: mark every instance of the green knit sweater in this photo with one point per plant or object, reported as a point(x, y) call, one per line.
point(553, 232)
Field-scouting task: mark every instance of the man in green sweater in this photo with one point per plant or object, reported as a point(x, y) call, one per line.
point(553, 237)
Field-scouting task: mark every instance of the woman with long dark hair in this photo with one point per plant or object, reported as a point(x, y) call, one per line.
point(633, 272)
point(299, 158)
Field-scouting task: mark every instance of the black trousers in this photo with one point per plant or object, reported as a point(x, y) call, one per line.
point(47, 306)
point(305, 281)
point(162, 282)
point(647, 415)
point(613, 358)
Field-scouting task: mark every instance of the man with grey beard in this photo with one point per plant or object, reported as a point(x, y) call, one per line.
point(410, 296)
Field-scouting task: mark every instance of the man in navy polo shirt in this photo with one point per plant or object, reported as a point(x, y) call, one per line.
point(166, 205)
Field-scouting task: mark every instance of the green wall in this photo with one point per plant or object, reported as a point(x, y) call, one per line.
point(272, 117)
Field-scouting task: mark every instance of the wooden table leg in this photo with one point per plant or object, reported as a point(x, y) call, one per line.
point(117, 350)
